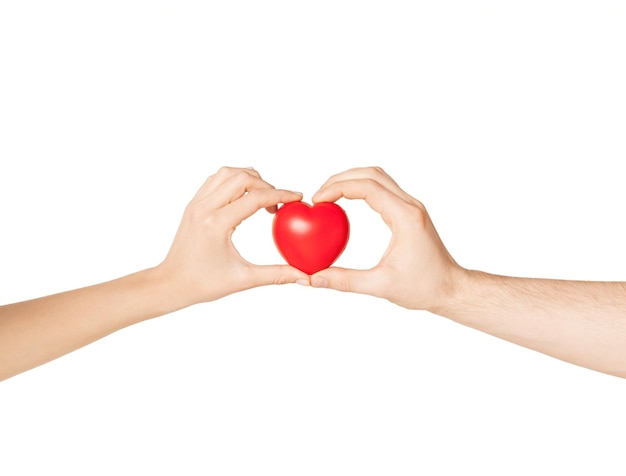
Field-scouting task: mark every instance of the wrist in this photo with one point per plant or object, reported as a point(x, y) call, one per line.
point(163, 291)
point(456, 292)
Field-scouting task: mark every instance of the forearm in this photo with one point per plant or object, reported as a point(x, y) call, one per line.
point(202, 265)
point(37, 331)
point(576, 321)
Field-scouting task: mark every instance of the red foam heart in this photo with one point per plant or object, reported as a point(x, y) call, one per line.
point(310, 238)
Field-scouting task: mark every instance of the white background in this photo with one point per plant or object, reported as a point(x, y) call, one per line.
point(505, 118)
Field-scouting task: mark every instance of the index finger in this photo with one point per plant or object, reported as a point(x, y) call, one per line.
point(246, 206)
point(390, 206)
point(374, 173)
point(234, 188)
point(216, 180)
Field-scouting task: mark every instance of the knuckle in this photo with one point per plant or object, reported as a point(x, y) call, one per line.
point(198, 215)
point(244, 179)
point(240, 176)
point(372, 171)
point(254, 196)
point(372, 183)
point(199, 218)
point(194, 211)
point(225, 170)
point(213, 222)
point(342, 283)
point(281, 279)
point(345, 285)
point(417, 214)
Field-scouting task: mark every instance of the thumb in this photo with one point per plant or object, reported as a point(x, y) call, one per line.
point(261, 275)
point(344, 279)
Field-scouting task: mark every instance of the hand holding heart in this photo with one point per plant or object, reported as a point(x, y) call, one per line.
point(416, 271)
point(203, 264)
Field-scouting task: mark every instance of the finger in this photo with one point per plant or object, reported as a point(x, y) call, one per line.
point(355, 173)
point(261, 275)
point(390, 206)
point(239, 210)
point(373, 173)
point(216, 180)
point(234, 188)
point(347, 280)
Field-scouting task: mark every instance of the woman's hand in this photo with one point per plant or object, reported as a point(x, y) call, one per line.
point(203, 264)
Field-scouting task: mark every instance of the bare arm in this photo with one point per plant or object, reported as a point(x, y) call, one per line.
point(577, 321)
point(580, 322)
point(202, 265)
point(34, 332)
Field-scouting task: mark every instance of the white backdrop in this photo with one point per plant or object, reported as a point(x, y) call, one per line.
point(505, 118)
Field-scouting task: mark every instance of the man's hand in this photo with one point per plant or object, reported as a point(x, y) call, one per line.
point(416, 271)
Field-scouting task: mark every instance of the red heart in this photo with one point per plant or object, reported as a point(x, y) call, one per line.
point(310, 238)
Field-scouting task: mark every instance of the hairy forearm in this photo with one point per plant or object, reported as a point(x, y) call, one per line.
point(37, 331)
point(576, 321)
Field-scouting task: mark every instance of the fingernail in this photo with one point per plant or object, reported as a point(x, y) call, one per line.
point(319, 282)
point(302, 282)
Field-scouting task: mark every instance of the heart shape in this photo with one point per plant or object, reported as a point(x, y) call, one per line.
point(310, 238)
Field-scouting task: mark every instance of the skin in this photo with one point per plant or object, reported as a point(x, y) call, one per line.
point(580, 322)
point(576, 321)
point(201, 266)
